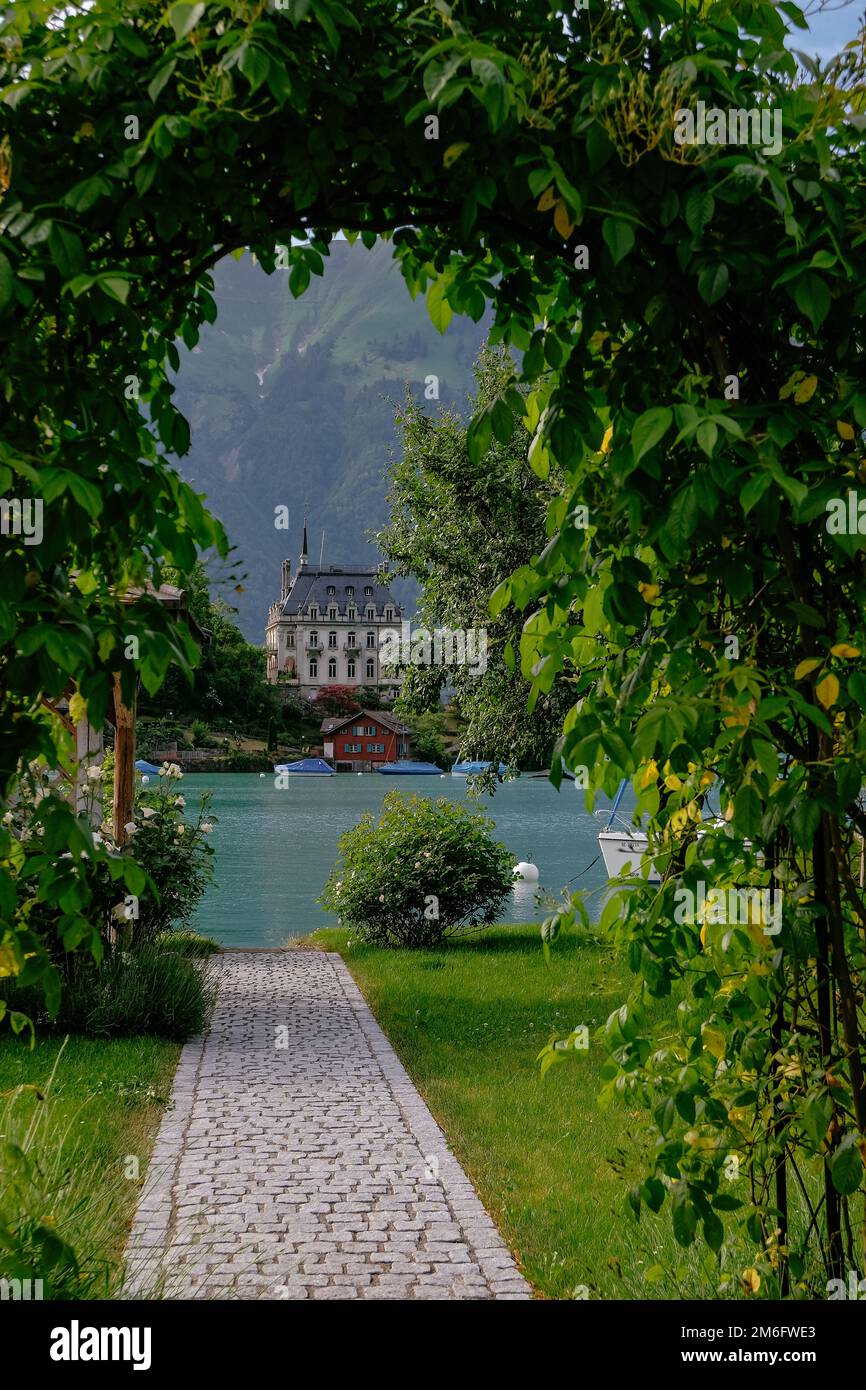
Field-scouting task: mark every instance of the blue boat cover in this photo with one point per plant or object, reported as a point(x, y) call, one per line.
point(410, 769)
point(472, 766)
point(142, 766)
point(316, 766)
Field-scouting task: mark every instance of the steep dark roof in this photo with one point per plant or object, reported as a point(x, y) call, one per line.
point(311, 586)
point(330, 725)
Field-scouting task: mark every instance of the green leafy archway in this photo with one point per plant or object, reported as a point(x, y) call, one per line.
point(691, 323)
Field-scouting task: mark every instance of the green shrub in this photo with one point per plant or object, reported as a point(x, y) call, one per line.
point(188, 943)
point(146, 991)
point(426, 870)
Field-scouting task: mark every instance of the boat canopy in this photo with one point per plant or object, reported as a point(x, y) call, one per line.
point(409, 769)
point(312, 767)
point(141, 765)
point(472, 766)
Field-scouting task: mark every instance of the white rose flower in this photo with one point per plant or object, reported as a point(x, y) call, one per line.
point(181, 830)
point(144, 781)
point(147, 812)
point(94, 773)
point(8, 818)
point(206, 827)
point(130, 827)
point(179, 801)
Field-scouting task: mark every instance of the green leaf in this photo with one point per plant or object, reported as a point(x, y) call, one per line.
point(299, 278)
point(618, 236)
point(84, 194)
point(155, 86)
point(649, 428)
point(712, 283)
point(438, 308)
point(7, 281)
point(707, 435)
point(66, 251)
point(753, 491)
point(846, 1166)
point(812, 298)
point(85, 494)
point(255, 65)
point(184, 17)
point(700, 206)
point(478, 436)
point(500, 598)
point(115, 286)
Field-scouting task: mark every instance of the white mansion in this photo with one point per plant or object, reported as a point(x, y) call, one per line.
point(328, 626)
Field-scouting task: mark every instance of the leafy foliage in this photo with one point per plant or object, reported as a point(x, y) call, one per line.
point(461, 525)
point(691, 320)
point(425, 870)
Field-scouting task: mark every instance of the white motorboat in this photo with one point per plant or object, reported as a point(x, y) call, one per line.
point(622, 851)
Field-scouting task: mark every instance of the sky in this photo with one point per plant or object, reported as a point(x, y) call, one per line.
point(829, 30)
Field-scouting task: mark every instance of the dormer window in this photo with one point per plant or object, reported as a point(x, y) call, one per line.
point(332, 613)
point(368, 590)
point(371, 612)
point(331, 590)
point(389, 614)
point(352, 613)
point(314, 611)
point(350, 590)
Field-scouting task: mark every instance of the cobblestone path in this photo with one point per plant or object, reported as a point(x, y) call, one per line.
point(298, 1160)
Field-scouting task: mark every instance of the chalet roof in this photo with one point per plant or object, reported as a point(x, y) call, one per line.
point(389, 722)
point(311, 586)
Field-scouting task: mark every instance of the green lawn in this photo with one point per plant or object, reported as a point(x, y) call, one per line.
point(468, 1022)
point(101, 1113)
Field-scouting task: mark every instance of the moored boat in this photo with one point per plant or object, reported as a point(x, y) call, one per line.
point(406, 768)
point(471, 768)
point(306, 767)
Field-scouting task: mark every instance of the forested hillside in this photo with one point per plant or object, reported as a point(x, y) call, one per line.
point(292, 403)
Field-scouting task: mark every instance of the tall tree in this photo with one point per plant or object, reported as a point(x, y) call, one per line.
point(459, 525)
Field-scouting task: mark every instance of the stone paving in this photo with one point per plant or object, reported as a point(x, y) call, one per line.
point(297, 1160)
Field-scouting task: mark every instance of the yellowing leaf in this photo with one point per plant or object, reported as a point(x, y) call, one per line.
point(562, 220)
point(77, 708)
point(792, 381)
point(827, 690)
point(810, 664)
point(714, 1041)
point(649, 774)
point(8, 963)
point(649, 592)
point(608, 436)
point(844, 649)
point(453, 153)
point(845, 430)
point(806, 390)
point(673, 783)
point(547, 199)
point(751, 1280)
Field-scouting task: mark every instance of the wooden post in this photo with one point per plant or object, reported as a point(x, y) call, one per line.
point(124, 758)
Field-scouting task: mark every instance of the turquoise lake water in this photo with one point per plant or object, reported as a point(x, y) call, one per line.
point(275, 848)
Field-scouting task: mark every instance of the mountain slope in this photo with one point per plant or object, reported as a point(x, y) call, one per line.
point(291, 403)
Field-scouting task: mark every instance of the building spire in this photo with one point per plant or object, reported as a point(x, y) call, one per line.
point(302, 564)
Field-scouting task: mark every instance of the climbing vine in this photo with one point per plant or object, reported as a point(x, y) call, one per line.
point(690, 323)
